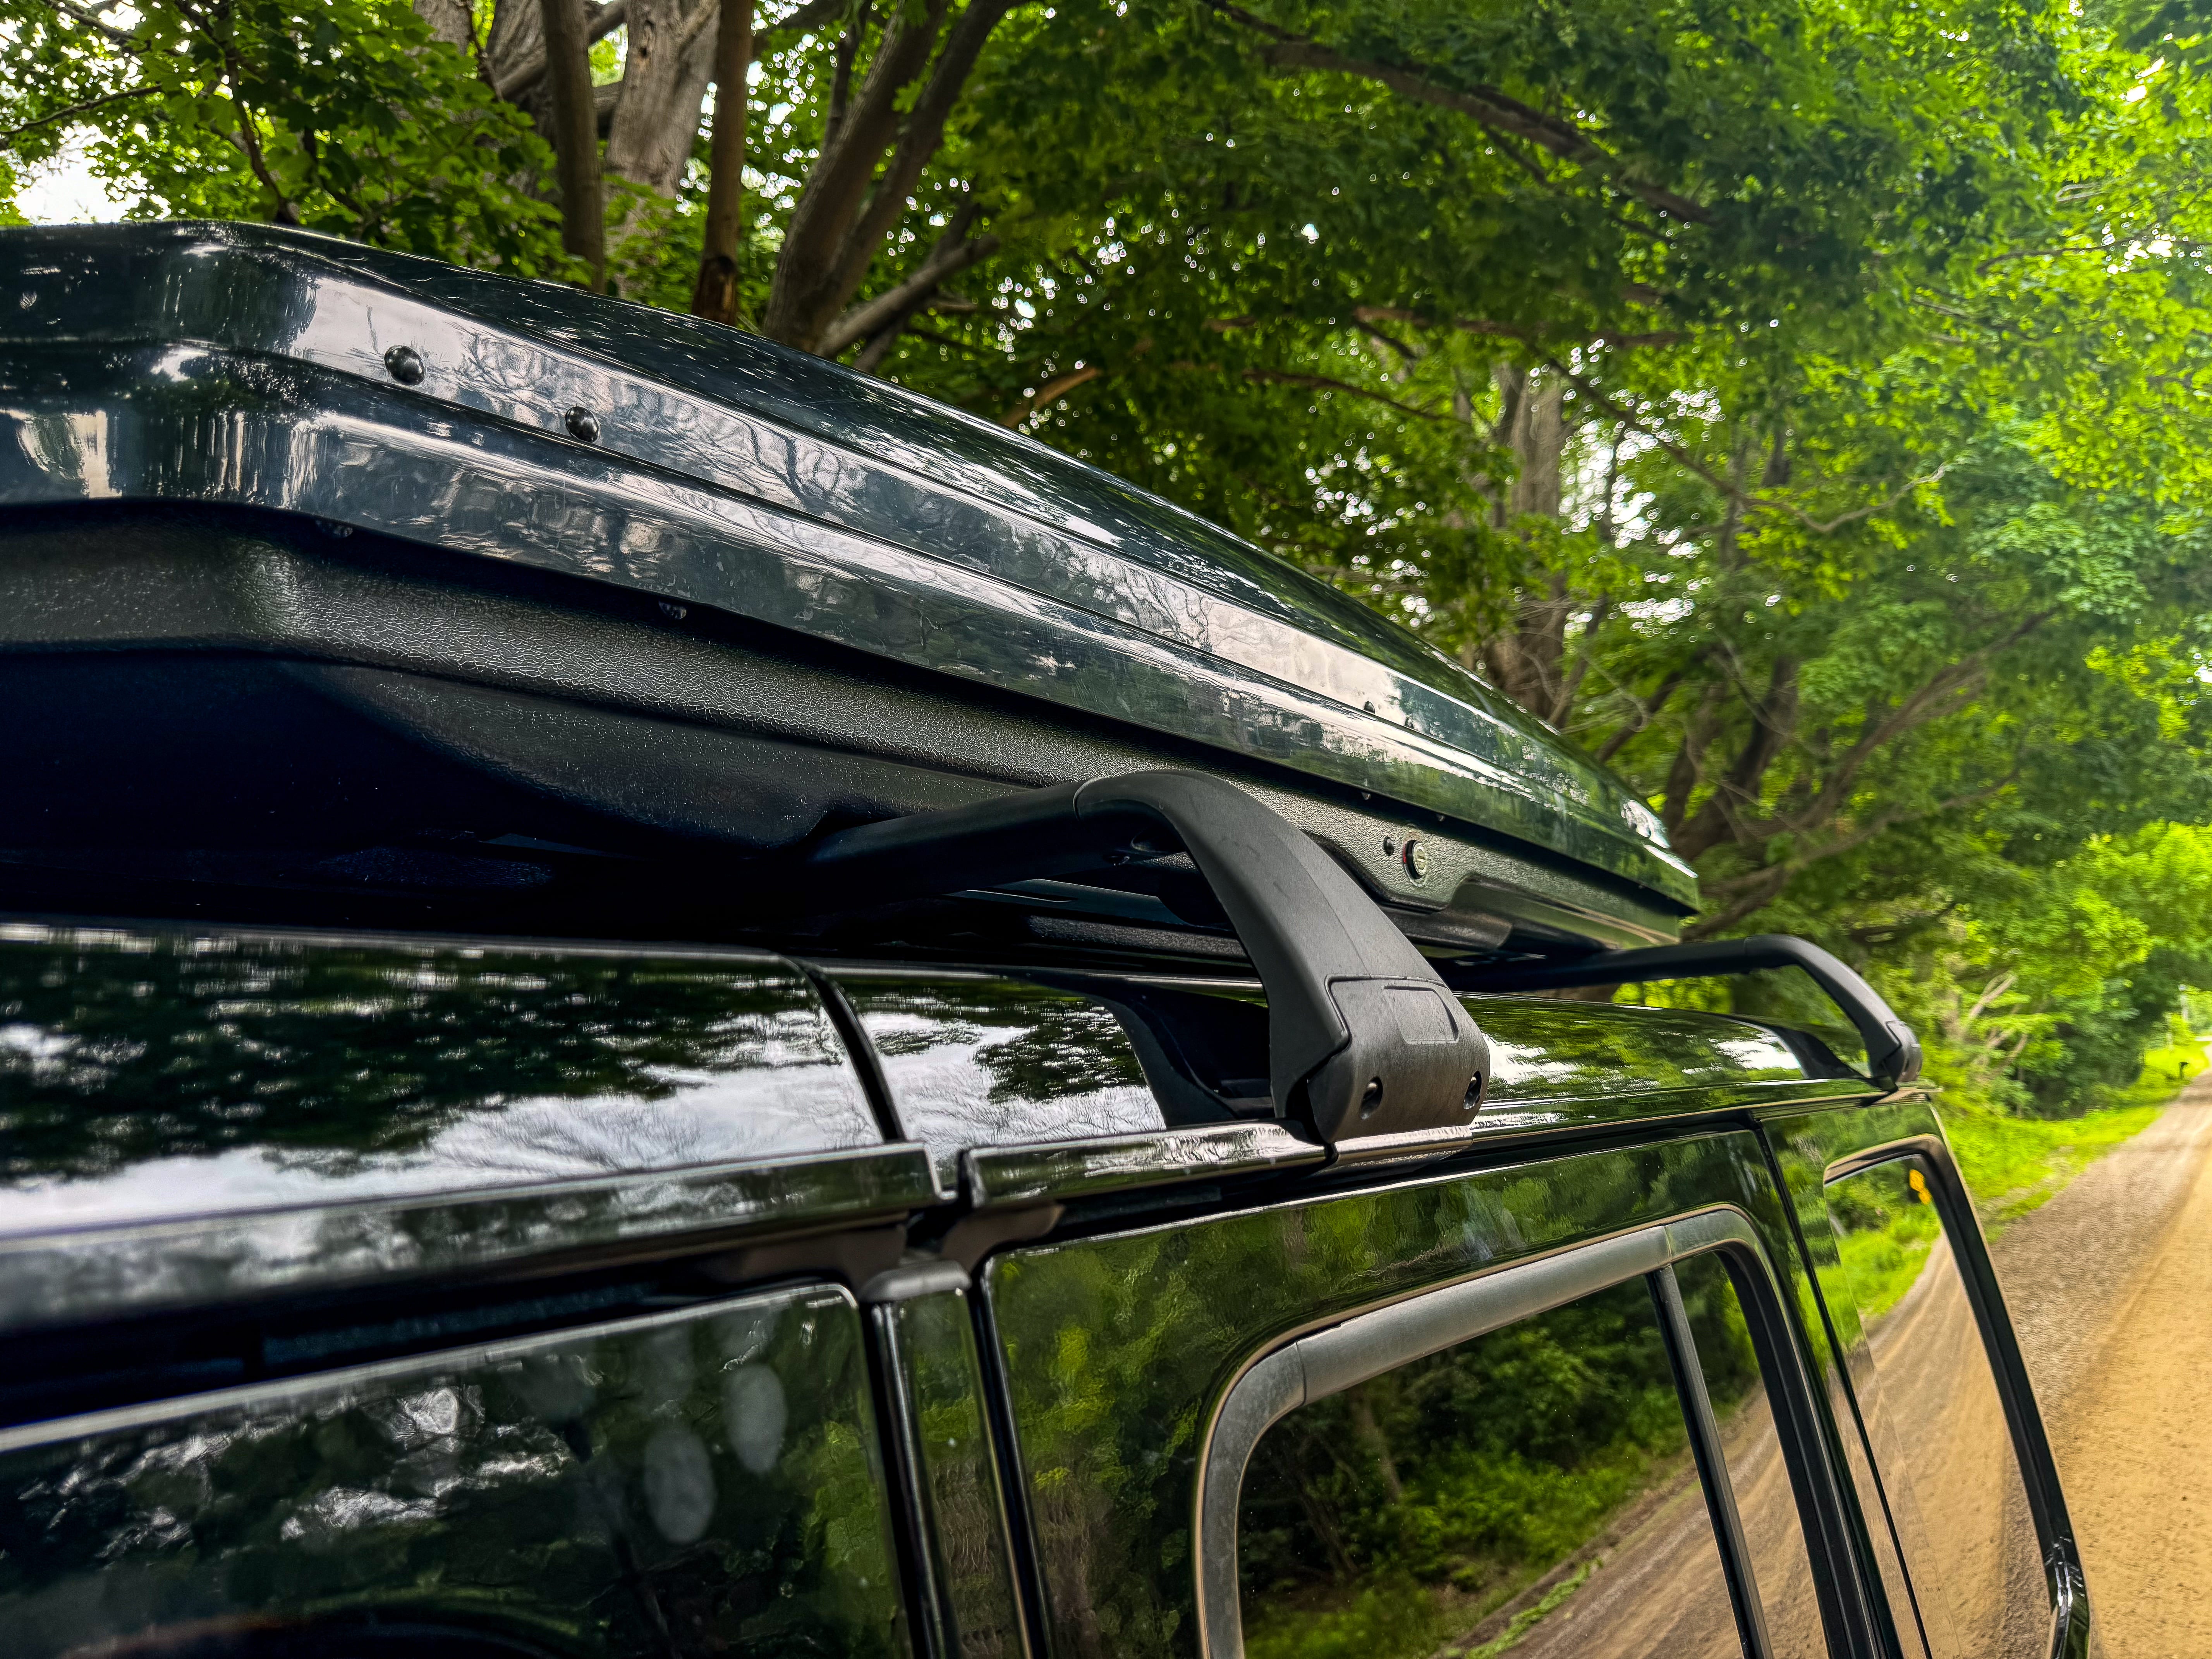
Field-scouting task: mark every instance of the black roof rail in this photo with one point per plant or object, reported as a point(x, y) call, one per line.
point(1893, 1051)
point(1364, 1041)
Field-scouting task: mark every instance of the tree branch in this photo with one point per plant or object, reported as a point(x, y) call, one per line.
point(604, 22)
point(1324, 383)
point(1762, 886)
point(810, 287)
point(1773, 722)
point(920, 135)
point(613, 14)
point(1366, 315)
point(1502, 114)
point(1748, 500)
point(1050, 393)
point(116, 37)
point(68, 111)
point(1645, 714)
point(1955, 681)
point(943, 263)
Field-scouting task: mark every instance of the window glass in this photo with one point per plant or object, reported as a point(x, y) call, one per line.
point(1532, 1488)
point(1968, 1538)
point(700, 1482)
point(1759, 1478)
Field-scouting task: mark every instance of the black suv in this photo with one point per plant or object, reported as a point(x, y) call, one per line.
point(656, 1000)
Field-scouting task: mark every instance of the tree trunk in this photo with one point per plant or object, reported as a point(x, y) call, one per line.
point(715, 297)
point(448, 19)
point(845, 210)
point(576, 137)
point(1529, 664)
point(664, 84)
point(515, 40)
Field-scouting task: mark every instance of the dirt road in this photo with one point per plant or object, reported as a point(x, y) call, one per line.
point(2111, 1288)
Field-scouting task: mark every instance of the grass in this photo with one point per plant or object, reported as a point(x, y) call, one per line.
point(1389, 1613)
point(1880, 1265)
point(2013, 1165)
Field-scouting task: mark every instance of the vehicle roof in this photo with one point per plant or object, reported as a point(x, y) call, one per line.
point(246, 364)
point(198, 1112)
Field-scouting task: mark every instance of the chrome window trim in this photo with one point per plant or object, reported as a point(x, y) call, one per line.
point(1348, 1352)
point(1038, 1172)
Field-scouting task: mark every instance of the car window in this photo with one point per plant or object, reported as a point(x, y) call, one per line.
point(1750, 1449)
point(1945, 1447)
point(700, 1480)
point(1532, 1488)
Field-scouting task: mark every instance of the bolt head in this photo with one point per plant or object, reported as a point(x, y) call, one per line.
point(583, 425)
point(404, 364)
point(1417, 859)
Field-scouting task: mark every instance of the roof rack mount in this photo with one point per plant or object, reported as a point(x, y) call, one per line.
point(1364, 1040)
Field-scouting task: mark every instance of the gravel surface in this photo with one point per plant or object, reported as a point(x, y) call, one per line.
point(2110, 1287)
point(2069, 1267)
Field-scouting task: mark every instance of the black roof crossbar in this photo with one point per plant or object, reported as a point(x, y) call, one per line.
point(1893, 1051)
point(1363, 1038)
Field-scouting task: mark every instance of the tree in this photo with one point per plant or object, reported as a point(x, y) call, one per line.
point(355, 119)
point(1801, 408)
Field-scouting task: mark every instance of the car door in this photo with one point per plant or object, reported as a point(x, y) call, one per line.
point(1954, 1447)
point(1161, 1489)
point(1205, 1413)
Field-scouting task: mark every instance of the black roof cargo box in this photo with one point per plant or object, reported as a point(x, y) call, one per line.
point(340, 585)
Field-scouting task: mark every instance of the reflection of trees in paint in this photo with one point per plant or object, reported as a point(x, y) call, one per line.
point(972, 1064)
point(645, 1493)
point(1543, 1046)
point(110, 1056)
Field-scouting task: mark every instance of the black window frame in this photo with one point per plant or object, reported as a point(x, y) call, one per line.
point(2063, 1581)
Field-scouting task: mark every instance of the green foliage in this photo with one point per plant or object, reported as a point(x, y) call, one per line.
point(347, 117)
point(1803, 407)
point(1395, 1517)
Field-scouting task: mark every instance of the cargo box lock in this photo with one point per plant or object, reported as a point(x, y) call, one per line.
point(1363, 1039)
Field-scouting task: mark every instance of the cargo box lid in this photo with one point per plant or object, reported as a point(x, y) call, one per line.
point(251, 366)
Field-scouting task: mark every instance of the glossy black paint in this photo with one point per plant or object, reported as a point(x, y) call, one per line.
point(243, 365)
point(150, 1075)
point(242, 712)
point(975, 1061)
point(962, 1564)
point(193, 1118)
